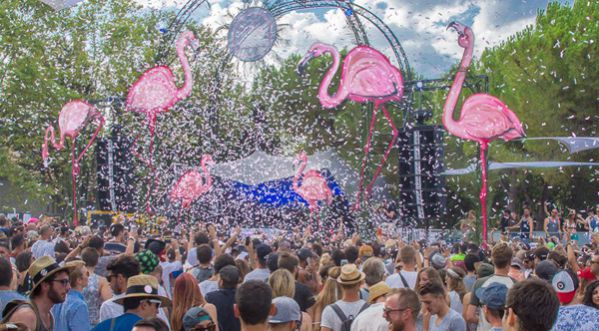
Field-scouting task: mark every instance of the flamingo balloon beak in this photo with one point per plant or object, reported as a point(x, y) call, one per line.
point(459, 28)
point(301, 67)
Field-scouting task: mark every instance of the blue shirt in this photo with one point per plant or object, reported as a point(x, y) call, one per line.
point(72, 315)
point(124, 322)
point(576, 317)
point(8, 296)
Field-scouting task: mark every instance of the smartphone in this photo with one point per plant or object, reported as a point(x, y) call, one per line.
point(344, 262)
point(247, 240)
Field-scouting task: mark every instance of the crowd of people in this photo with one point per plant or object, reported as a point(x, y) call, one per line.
point(201, 277)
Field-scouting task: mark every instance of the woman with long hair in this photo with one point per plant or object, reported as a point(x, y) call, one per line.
point(591, 295)
point(455, 285)
point(282, 283)
point(331, 291)
point(425, 276)
point(186, 295)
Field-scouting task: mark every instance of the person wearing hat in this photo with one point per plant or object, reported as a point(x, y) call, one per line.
point(372, 317)
point(501, 256)
point(50, 286)
point(141, 300)
point(335, 315)
point(197, 318)
point(288, 315)
point(493, 299)
point(261, 271)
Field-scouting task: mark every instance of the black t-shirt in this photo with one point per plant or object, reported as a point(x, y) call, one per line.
point(303, 296)
point(223, 300)
point(505, 222)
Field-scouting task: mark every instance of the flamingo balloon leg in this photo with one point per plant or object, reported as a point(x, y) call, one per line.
point(367, 76)
point(71, 120)
point(156, 92)
point(483, 190)
point(483, 117)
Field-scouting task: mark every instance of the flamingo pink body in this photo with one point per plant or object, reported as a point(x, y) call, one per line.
point(156, 92)
point(314, 187)
point(483, 117)
point(193, 184)
point(71, 120)
point(367, 76)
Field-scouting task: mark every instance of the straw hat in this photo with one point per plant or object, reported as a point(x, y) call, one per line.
point(46, 266)
point(350, 275)
point(143, 286)
point(377, 290)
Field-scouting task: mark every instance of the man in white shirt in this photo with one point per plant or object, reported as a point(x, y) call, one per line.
point(371, 319)
point(350, 304)
point(407, 271)
point(44, 246)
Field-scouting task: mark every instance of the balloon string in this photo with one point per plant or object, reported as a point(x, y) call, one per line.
point(74, 173)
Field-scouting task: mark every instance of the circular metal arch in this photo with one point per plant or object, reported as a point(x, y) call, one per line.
point(282, 7)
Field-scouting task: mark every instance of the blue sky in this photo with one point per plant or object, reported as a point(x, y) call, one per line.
point(418, 24)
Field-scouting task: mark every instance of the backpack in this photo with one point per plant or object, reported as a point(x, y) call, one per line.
point(347, 321)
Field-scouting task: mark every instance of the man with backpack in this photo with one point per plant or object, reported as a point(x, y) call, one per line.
point(340, 315)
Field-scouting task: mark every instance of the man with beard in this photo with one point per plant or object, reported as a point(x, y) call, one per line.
point(50, 286)
point(401, 310)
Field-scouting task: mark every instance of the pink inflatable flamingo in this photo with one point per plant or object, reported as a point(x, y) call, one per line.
point(314, 187)
point(71, 120)
point(192, 184)
point(367, 76)
point(156, 92)
point(483, 117)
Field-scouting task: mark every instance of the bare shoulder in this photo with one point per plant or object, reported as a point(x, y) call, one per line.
point(25, 315)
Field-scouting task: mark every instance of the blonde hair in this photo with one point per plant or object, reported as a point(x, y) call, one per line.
point(330, 290)
point(282, 283)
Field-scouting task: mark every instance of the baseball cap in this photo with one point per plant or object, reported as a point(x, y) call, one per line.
point(565, 284)
point(193, 316)
point(493, 296)
point(262, 250)
point(516, 262)
point(438, 261)
point(304, 253)
point(546, 270)
point(287, 311)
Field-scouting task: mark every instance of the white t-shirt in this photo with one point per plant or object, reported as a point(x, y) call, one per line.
point(42, 248)
point(167, 269)
point(371, 319)
point(394, 281)
point(332, 321)
point(208, 286)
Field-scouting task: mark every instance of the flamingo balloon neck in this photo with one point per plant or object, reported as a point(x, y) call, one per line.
point(327, 100)
point(454, 92)
point(185, 90)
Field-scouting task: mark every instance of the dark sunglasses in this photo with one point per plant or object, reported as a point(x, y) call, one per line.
point(209, 327)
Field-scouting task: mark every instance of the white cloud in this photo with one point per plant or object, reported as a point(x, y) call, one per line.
point(418, 24)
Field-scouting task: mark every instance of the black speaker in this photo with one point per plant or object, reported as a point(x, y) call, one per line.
point(421, 165)
point(115, 176)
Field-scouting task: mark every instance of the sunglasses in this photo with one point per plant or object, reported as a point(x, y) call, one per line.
point(63, 282)
point(209, 327)
point(157, 302)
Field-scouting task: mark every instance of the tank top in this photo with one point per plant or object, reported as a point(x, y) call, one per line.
point(91, 294)
point(553, 226)
point(39, 324)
